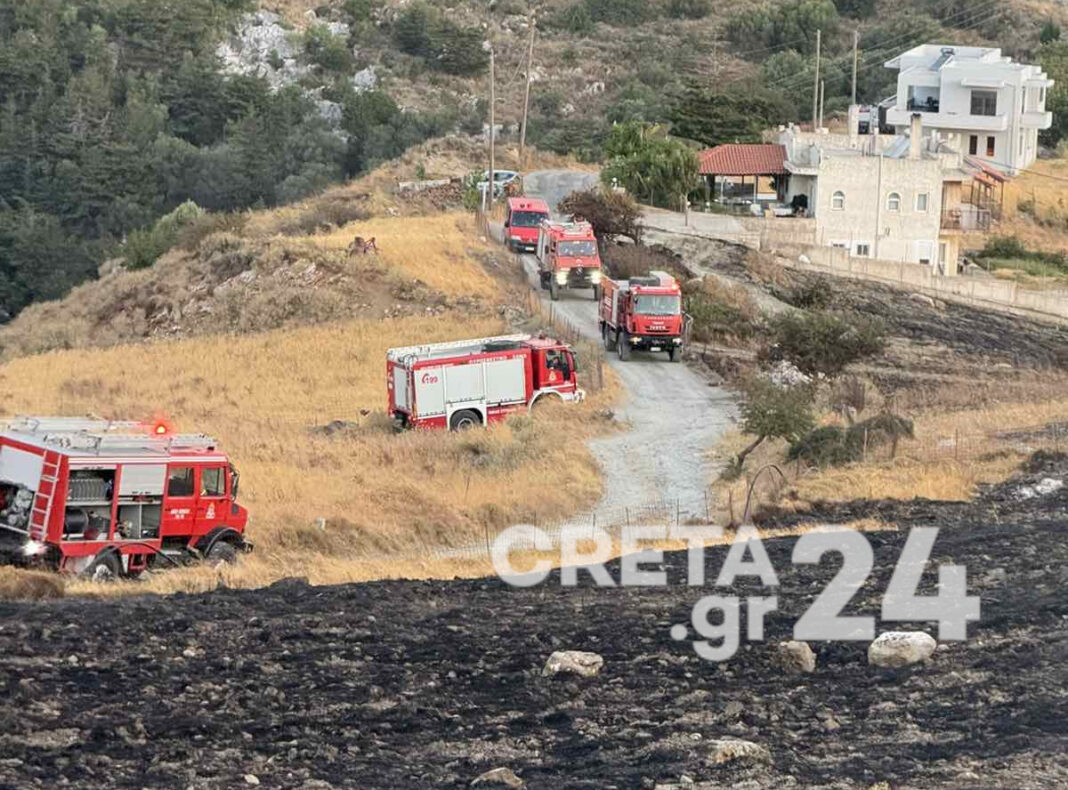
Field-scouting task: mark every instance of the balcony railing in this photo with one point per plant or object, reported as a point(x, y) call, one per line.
point(923, 105)
point(966, 217)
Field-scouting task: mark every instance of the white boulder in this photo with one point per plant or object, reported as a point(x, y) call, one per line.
point(900, 648)
point(573, 662)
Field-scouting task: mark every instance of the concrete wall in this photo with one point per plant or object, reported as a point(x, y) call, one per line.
point(995, 294)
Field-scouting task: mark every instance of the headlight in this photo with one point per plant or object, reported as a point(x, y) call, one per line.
point(677, 340)
point(32, 548)
point(595, 276)
point(635, 339)
point(561, 277)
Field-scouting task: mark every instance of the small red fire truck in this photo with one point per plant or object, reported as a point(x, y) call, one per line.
point(466, 383)
point(644, 313)
point(522, 221)
point(568, 257)
point(111, 499)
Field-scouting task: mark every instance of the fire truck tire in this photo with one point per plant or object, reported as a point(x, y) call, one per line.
point(623, 344)
point(106, 567)
point(675, 354)
point(609, 338)
point(465, 420)
point(554, 289)
point(596, 293)
point(221, 553)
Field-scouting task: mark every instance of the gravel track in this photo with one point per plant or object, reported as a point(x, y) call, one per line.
point(675, 416)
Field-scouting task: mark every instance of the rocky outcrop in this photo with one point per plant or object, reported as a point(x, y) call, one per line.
point(573, 662)
point(900, 648)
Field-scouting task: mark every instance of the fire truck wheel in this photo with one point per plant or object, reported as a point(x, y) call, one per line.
point(554, 289)
point(221, 553)
point(623, 343)
point(596, 293)
point(609, 338)
point(105, 568)
point(675, 354)
point(464, 420)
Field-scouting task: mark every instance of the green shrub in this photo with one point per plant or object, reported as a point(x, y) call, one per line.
point(813, 294)
point(326, 50)
point(574, 19)
point(832, 445)
point(823, 343)
point(426, 33)
point(143, 247)
point(689, 9)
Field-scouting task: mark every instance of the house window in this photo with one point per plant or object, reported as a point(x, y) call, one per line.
point(893, 202)
point(990, 144)
point(973, 144)
point(838, 200)
point(864, 250)
point(984, 102)
point(921, 202)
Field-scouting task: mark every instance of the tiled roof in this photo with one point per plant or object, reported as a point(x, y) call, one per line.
point(741, 159)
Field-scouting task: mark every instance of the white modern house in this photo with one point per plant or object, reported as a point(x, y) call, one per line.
point(982, 103)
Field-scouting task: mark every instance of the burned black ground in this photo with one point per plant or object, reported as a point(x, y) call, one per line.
point(428, 684)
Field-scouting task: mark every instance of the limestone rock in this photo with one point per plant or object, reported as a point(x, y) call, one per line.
point(900, 648)
point(573, 662)
point(725, 750)
point(498, 777)
point(796, 657)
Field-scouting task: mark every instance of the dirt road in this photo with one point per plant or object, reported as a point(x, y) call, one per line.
point(675, 416)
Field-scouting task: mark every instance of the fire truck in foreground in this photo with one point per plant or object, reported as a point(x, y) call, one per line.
point(466, 383)
point(643, 313)
point(568, 257)
point(522, 221)
point(111, 499)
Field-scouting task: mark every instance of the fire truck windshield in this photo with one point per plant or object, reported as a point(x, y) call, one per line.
point(656, 304)
point(576, 249)
point(527, 219)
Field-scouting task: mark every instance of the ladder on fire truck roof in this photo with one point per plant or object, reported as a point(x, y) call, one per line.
point(452, 347)
point(74, 433)
point(44, 496)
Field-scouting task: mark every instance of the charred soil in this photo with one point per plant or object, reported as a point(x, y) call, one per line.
point(429, 684)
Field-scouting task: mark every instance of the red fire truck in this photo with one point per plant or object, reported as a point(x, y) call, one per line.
point(522, 221)
point(568, 257)
point(466, 383)
point(644, 313)
point(111, 499)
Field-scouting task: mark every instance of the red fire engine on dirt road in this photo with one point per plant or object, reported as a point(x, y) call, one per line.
point(466, 383)
point(521, 222)
point(568, 257)
point(111, 499)
point(644, 313)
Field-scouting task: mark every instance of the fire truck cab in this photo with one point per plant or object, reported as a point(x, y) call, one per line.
point(521, 222)
point(461, 384)
point(642, 313)
point(111, 499)
point(568, 257)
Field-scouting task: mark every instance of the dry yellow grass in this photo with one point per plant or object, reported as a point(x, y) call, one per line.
point(386, 498)
point(22, 585)
point(951, 455)
point(434, 249)
point(1046, 198)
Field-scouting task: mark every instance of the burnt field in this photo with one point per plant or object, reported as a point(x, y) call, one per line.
point(430, 684)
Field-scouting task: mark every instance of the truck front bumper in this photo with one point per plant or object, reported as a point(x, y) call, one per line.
point(579, 278)
point(655, 342)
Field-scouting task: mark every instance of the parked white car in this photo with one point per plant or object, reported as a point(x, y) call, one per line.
point(501, 180)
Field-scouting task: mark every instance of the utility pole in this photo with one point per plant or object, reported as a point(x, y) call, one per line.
point(856, 45)
point(492, 130)
point(526, 96)
point(822, 85)
point(816, 83)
